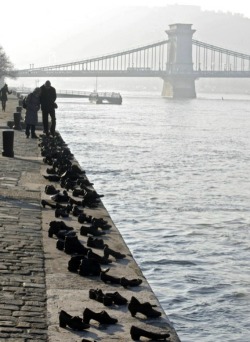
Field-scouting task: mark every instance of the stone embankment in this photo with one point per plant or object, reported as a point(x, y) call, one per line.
point(36, 285)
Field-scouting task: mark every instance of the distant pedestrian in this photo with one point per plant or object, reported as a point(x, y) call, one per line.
point(48, 105)
point(3, 96)
point(31, 118)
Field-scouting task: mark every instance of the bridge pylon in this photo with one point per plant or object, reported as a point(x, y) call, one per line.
point(180, 82)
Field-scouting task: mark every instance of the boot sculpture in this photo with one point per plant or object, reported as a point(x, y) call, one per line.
point(83, 218)
point(60, 244)
point(76, 211)
point(85, 230)
point(74, 263)
point(60, 197)
point(101, 259)
point(50, 189)
point(100, 223)
point(62, 234)
point(73, 322)
point(61, 213)
point(96, 243)
point(50, 171)
point(73, 201)
point(73, 246)
point(117, 255)
point(89, 267)
point(100, 297)
point(101, 317)
point(144, 308)
point(56, 226)
point(79, 192)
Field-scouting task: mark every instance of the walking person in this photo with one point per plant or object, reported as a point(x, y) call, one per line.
point(31, 118)
point(3, 95)
point(48, 105)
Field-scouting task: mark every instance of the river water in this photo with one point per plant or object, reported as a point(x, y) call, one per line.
point(175, 179)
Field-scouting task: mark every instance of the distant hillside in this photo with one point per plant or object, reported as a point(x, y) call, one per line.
point(138, 26)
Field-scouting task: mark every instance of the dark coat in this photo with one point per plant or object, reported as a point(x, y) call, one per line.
point(33, 106)
point(47, 98)
point(3, 93)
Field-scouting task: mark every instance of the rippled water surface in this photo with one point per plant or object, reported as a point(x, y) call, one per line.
point(175, 175)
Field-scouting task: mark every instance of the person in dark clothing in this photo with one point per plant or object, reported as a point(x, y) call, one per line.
point(31, 118)
point(3, 95)
point(47, 100)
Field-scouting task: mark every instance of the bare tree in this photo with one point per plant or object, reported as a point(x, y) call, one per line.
point(6, 67)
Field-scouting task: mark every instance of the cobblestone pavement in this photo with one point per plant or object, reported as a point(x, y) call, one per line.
point(22, 270)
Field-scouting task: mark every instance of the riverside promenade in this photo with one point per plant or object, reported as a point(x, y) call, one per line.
point(35, 282)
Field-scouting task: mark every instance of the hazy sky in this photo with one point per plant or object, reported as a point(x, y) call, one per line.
point(27, 25)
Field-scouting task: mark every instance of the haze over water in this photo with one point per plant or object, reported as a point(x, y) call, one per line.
point(175, 175)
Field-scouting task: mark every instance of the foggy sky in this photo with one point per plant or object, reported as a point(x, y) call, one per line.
point(31, 33)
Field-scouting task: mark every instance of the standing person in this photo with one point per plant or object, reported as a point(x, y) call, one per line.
point(48, 105)
point(3, 95)
point(31, 118)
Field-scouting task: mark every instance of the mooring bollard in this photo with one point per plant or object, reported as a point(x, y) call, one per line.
point(17, 121)
point(8, 142)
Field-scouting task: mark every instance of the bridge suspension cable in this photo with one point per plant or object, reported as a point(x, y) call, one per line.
point(207, 57)
point(149, 57)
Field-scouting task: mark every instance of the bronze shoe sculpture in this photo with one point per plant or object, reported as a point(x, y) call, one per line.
point(101, 317)
point(136, 333)
point(73, 322)
point(144, 308)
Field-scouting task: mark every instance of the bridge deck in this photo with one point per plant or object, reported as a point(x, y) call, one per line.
point(124, 73)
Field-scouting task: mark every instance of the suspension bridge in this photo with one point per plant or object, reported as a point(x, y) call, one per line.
point(179, 61)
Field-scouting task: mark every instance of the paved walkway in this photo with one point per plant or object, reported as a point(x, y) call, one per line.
point(35, 282)
point(22, 268)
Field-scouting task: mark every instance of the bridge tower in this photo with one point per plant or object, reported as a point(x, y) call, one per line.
point(180, 83)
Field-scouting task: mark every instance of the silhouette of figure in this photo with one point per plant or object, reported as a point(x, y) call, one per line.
point(31, 118)
point(3, 95)
point(47, 100)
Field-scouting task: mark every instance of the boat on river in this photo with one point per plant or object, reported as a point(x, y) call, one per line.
point(105, 98)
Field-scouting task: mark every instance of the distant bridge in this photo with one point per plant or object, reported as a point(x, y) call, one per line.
point(179, 61)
